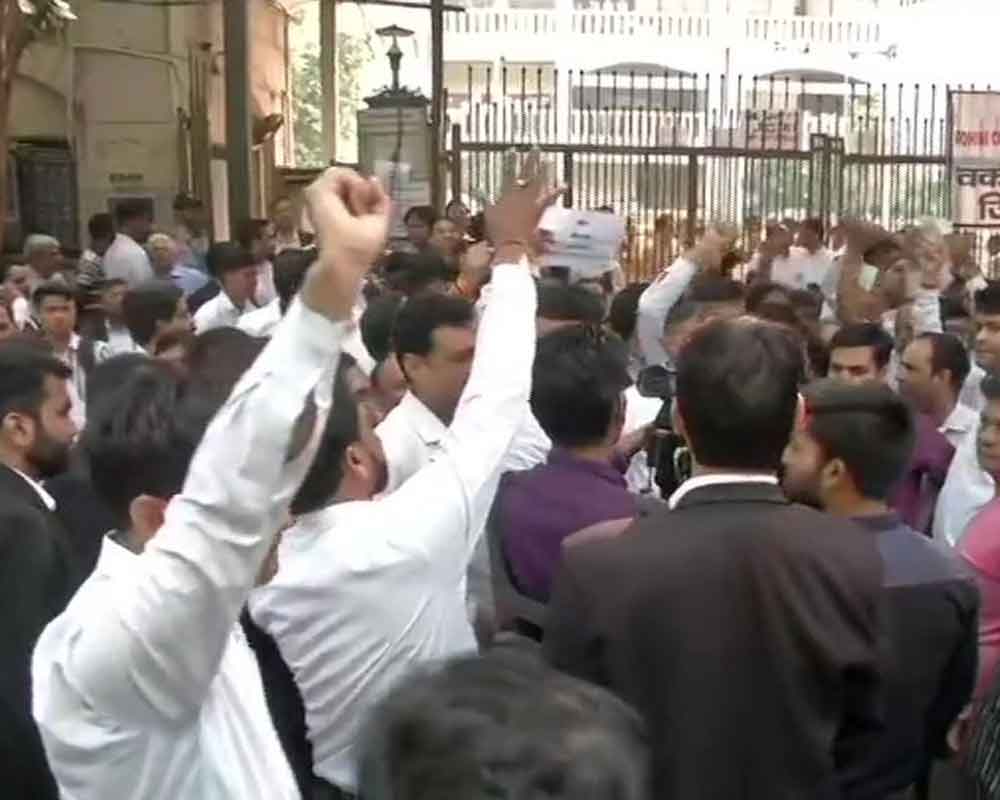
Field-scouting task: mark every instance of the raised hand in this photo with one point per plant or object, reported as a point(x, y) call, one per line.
point(512, 222)
point(350, 215)
point(717, 240)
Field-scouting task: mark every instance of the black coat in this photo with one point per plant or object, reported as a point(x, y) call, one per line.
point(744, 629)
point(37, 579)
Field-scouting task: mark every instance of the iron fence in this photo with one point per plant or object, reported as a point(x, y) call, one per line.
point(670, 151)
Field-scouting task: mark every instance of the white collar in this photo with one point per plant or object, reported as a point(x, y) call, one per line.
point(49, 500)
point(700, 481)
point(114, 558)
point(961, 419)
point(425, 422)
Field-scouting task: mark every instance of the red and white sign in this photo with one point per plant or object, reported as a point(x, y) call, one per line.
point(975, 126)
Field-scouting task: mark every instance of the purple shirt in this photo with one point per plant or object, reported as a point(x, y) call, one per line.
point(915, 496)
point(542, 506)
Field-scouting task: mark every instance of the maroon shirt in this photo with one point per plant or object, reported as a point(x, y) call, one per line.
point(542, 506)
point(916, 494)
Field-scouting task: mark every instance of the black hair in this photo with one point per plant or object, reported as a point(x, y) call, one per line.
point(865, 334)
point(455, 201)
point(803, 298)
point(424, 213)
point(758, 292)
point(569, 304)
point(990, 386)
point(987, 299)
point(225, 257)
point(147, 304)
point(713, 288)
point(342, 429)
point(52, 288)
point(290, 268)
point(948, 353)
point(412, 273)
point(867, 426)
point(106, 378)
point(101, 226)
point(24, 367)
point(140, 440)
point(737, 390)
point(131, 208)
point(682, 312)
point(502, 725)
point(420, 316)
point(577, 383)
point(377, 323)
point(952, 308)
point(249, 230)
point(815, 224)
point(624, 310)
point(217, 360)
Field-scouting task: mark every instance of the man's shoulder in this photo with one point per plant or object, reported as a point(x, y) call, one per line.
point(911, 559)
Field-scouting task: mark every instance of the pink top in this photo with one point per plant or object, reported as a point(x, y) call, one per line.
point(980, 547)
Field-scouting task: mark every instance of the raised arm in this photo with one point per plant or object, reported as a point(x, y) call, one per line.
point(666, 291)
point(455, 492)
point(150, 658)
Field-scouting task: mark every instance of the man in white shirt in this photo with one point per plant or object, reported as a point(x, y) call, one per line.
point(795, 267)
point(932, 370)
point(968, 486)
point(234, 268)
point(55, 307)
point(289, 269)
point(153, 311)
point(257, 237)
point(367, 590)
point(144, 687)
point(434, 340)
point(126, 258)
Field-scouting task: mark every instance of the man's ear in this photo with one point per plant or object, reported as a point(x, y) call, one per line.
point(832, 475)
point(146, 515)
point(18, 429)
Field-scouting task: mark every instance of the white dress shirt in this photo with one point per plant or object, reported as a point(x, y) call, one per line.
point(141, 688)
point(799, 269)
point(120, 340)
point(717, 479)
point(961, 423)
point(968, 487)
point(78, 380)
point(219, 312)
point(47, 500)
point(639, 411)
point(654, 307)
point(127, 261)
point(261, 322)
point(368, 590)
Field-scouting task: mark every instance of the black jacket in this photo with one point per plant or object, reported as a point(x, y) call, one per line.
point(929, 664)
point(37, 579)
point(744, 629)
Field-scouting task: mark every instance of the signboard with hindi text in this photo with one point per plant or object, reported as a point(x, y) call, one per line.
point(975, 158)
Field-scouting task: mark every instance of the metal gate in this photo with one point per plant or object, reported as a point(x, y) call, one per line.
point(671, 152)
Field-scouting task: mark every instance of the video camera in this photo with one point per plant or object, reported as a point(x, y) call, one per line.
point(667, 454)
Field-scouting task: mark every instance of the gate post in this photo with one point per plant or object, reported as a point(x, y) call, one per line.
point(455, 162)
point(568, 178)
point(826, 195)
point(692, 199)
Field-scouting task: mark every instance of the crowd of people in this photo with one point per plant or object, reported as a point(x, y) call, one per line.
point(299, 516)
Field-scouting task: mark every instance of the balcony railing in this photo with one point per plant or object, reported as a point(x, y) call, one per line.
point(791, 30)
